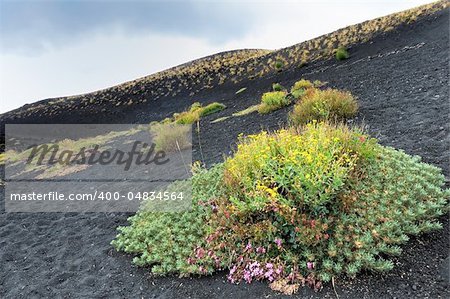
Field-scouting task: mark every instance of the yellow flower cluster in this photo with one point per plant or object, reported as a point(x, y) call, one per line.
point(310, 162)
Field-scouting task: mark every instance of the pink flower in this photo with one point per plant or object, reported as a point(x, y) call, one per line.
point(261, 250)
point(310, 265)
point(278, 241)
point(233, 269)
point(249, 246)
point(279, 270)
point(200, 253)
point(247, 276)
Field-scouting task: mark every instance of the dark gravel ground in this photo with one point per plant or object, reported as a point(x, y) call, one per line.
point(401, 80)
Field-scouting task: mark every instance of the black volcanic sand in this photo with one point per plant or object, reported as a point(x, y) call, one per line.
point(401, 80)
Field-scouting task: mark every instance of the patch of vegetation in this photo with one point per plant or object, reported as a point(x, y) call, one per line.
point(171, 137)
point(196, 111)
point(318, 83)
point(211, 108)
point(271, 101)
point(246, 111)
point(279, 65)
point(300, 87)
point(320, 105)
point(294, 207)
point(342, 54)
point(277, 87)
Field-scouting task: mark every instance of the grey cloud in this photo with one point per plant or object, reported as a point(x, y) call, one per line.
point(28, 26)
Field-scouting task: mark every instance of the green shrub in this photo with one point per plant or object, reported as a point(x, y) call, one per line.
point(279, 65)
point(196, 111)
point(211, 108)
point(342, 54)
point(294, 207)
point(300, 87)
point(271, 101)
point(277, 87)
point(329, 104)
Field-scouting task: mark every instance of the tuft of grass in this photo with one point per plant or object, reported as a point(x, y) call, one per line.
point(195, 106)
point(279, 65)
point(329, 104)
point(171, 137)
point(246, 111)
point(271, 101)
point(318, 83)
point(220, 119)
point(187, 117)
point(277, 87)
point(241, 90)
point(196, 111)
point(342, 54)
point(211, 108)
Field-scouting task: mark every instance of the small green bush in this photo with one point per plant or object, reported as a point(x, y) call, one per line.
point(211, 108)
point(300, 87)
point(277, 87)
point(271, 101)
point(342, 54)
point(196, 111)
point(279, 65)
point(329, 104)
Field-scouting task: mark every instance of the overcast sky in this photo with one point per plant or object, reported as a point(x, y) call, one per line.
point(57, 48)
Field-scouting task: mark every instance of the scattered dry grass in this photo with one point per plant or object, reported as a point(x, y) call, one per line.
point(246, 111)
point(171, 137)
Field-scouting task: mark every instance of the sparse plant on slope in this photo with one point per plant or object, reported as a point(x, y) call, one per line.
point(211, 108)
point(342, 54)
point(196, 111)
point(300, 87)
point(329, 104)
point(277, 87)
point(271, 101)
point(279, 65)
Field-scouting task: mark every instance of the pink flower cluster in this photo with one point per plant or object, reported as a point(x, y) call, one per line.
point(256, 271)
